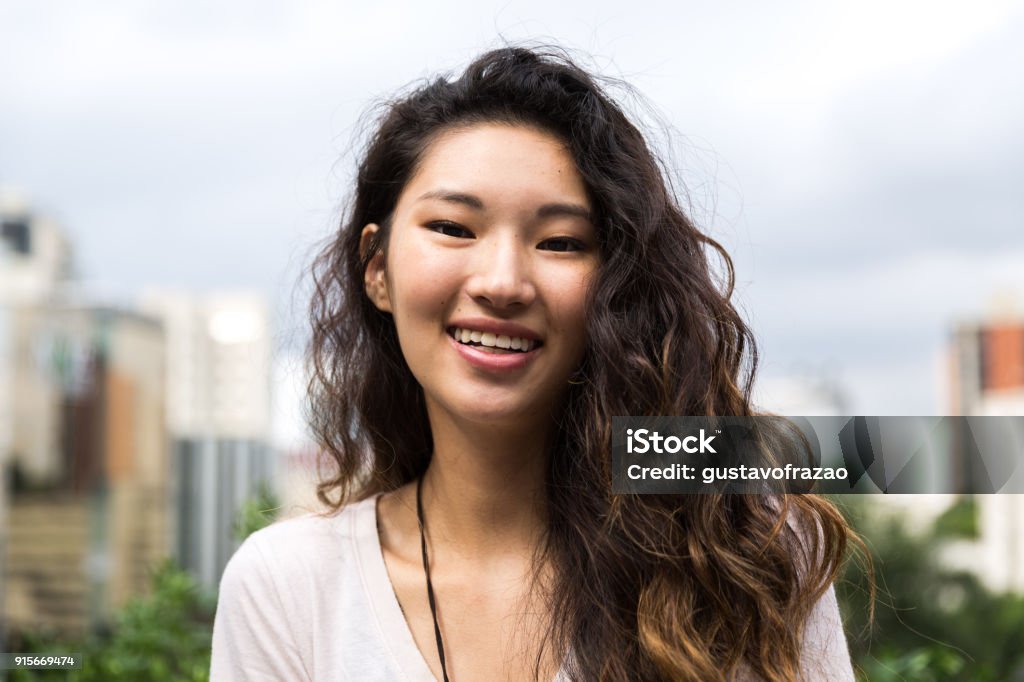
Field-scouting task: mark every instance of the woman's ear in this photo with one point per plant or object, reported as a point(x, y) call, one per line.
point(374, 280)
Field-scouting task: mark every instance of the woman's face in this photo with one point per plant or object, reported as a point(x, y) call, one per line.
point(490, 257)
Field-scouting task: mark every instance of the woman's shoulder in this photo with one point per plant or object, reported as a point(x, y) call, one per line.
point(287, 585)
point(313, 545)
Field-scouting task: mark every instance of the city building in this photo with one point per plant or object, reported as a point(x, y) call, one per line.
point(34, 262)
point(218, 417)
point(82, 438)
point(35, 254)
point(987, 379)
point(90, 513)
point(987, 363)
point(125, 436)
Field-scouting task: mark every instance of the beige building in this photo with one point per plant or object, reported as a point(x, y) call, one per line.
point(90, 509)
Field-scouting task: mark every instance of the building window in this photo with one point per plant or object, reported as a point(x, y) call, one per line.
point(17, 235)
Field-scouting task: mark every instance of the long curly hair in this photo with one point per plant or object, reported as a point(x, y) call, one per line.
point(647, 587)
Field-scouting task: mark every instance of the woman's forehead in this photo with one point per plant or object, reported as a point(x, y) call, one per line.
point(499, 166)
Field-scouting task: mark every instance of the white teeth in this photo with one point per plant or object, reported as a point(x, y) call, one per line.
point(493, 340)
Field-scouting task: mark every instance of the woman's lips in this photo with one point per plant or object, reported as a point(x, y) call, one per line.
point(497, 362)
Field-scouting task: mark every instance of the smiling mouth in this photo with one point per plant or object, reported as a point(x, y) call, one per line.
point(499, 344)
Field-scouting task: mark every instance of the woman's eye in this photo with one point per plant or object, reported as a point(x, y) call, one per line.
point(562, 244)
point(450, 229)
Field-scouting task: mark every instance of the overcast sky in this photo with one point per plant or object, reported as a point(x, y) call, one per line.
point(863, 162)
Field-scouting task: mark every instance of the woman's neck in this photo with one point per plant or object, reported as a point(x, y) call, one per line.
point(483, 493)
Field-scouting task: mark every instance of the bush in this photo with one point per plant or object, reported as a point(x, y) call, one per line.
point(931, 622)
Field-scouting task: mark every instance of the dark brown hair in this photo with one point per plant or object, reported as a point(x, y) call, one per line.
point(648, 587)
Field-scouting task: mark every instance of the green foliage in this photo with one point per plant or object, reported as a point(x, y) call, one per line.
point(160, 637)
point(959, 521)
point(256, 512)
point(921, 665)
point(931, 622)
point(165, 636)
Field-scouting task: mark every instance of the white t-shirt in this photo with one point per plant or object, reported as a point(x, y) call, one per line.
point(309, 599)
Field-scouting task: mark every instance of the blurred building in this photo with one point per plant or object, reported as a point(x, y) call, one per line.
point(988, 368)
point(987, 379)
point(218, 415)
point(83, 445)
point(35, 255)
point(34, 261)
point(90, 513)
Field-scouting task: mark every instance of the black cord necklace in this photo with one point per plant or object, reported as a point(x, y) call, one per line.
point(426, 571)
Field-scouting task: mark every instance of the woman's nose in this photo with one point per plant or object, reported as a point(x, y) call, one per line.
point(501, 275)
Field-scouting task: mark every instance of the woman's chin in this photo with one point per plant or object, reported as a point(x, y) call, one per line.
point(507, 414)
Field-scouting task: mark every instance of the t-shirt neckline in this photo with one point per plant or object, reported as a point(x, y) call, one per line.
point(393, 627)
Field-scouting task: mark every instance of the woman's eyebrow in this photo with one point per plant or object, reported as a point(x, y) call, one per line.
point(475, 203)
point(455, 198)
point(571, 210)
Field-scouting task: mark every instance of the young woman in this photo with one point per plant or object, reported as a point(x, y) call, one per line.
point(513, 272)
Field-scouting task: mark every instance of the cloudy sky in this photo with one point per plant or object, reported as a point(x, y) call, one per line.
point(863, 162)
